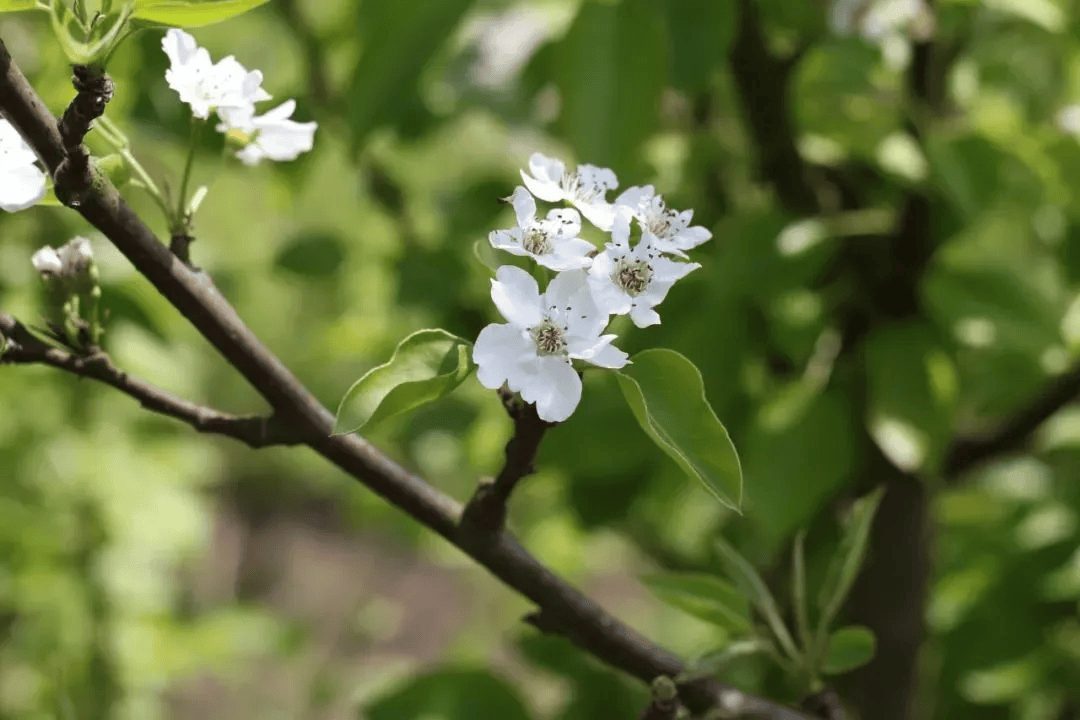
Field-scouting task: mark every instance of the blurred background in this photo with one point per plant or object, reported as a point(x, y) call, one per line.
point(895, 264)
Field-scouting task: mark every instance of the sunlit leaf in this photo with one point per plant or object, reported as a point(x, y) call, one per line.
point(426, 366)
point(19, 5)
point(849, 648)
point(704, 596)
point(665, 392)
point(191, 13)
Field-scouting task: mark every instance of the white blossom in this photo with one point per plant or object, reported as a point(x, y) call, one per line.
point(206, 86)
point(47, 261)
point(671, 229)
point(271, 135)
point(632, 281)
point(551, 242)
point(70, 260)
point(533, 352)
point(22, 182)
point(877, 20)
point(585, 188)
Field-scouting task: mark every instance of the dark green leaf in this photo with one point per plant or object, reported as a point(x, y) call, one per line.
point(316, 256)
point(452, 695)
point(610, 71)
point(191, 13)
point(665, 392)
point(699, 32)
point(398, 43)
point(426, 366)
point(704, 596)
point(849, 648)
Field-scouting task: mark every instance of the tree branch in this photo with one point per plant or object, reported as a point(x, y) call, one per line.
point(198, 300)
point(23, 348)
point(965, 453)
point(486, 511)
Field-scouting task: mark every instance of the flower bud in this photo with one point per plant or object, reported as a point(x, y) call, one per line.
point(47, 261)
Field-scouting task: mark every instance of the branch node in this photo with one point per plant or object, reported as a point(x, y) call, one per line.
point(665, 700)
point(485, 513)
point(73, 177)
point(825, 704)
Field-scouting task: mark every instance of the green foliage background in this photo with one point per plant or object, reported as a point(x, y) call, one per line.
point(826, 353)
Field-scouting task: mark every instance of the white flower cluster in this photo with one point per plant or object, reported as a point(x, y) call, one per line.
point(533, 352)
point(22, 182)
point(231, 91)
point(69, 261)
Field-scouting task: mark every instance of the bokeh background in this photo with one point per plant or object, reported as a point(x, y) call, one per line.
point(895, 263)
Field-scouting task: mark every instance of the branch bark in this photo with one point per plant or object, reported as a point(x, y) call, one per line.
point(198, 300)
point(24, 348)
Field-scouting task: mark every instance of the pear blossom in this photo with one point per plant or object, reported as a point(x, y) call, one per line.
point(533, 352)
point(632, 281)
point(551, 242)
point(206, 86)
point(70, 260)
point(670, 228)
point(22, 182)
point(271, 135)
point(585, 188)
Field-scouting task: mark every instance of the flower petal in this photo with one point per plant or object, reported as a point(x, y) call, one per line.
point(568, 254)
point(644, 316)
point(21, 187)
point(517, 296)
point(561, 223)
point(556, 389)
point(524, 207)
point(498, 353)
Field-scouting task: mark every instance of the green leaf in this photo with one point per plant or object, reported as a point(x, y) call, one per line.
point(398, 45)
point(699, 33)
point(912, 389)
point(748, 580)
point(712, 662)
point(191, 13)
point(610, 71)
point(425, 366)
point(452, 695)
point(19, 5)
point(710, 598)
point(848, 559)
point(665, 392)
point(849, 648)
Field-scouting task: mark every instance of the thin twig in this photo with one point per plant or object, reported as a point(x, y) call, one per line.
point(210, 313)
point(23, 348)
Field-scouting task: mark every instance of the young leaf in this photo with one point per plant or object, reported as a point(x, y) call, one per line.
point(703, 596)
point(845, 565)
point(712, 662)
point(798, 588)
point(425, 366)
point(665, 392)
point(748, 580)
point(19, 5)
point(849, 648)
point(191, 13)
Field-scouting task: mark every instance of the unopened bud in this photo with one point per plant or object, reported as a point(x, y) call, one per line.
point(76, 256)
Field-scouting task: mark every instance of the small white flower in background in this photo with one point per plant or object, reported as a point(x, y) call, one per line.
point(70, 260)
point(22, 183)
point(206, 86)
point(670, 228)
point(877, 20)
point(585, 188)
point(551, 242)
point(1068, 119)
point(271, 135)
point(632, 281)
point(533, 351)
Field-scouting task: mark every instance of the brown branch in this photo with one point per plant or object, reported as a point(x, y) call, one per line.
point(486, 511)
point(23, 348)
point(198, 300)
point(1014, 433)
